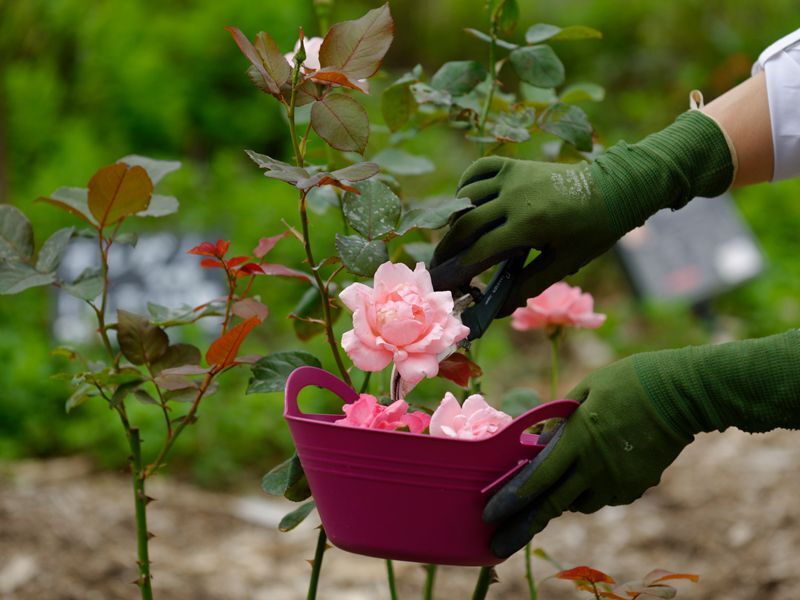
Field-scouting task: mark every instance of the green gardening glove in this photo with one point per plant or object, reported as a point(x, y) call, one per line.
point(636, 416)
point(574, 212)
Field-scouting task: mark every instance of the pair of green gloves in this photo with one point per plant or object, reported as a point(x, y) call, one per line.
point(637, 414)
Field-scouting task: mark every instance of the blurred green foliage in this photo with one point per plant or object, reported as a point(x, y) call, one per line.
point(84, 83)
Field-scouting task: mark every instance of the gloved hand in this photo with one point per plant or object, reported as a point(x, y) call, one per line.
point(574, 212)
point(635, 417)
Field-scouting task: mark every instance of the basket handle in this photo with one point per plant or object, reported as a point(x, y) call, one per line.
point(303, 377)
point(558, 409)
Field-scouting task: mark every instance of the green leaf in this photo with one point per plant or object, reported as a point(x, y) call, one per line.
point(269, 70)
point(80, 395)
point(513, 126)
point(144, 397)
point(459, 77)
point(342, 122)
point(128, 237)
point(420, 251)
point(397, 105)
point(87, 286)
point(357, 47)
point(74, 200)
point(310, 307)
point(425, 94)
point(400, 162)
point(485, 37)
point(156, 169)
point(176, 355)
point(374, 211)
point(544, 31)
point(140, 341)
point(519, 401)
point(164, 316)
point(538, 65)
point(569, 123)
point(319, 199)
point(53, 249)
point(283, 477)
point(16, 234)
point(118, 191)
point(122, 392)
point(276, 169)
point(269, 374)
point(360, 256)
point(507, 16)
point(297, 516)
point(583, 91)
point(17, 276)
point(160, 206)
point(433, 215)
point(357, 172)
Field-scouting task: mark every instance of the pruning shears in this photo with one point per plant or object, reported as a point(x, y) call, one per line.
point(478, 308)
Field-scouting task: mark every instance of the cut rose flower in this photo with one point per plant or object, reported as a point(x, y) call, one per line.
point(559, 305)
point(368, 413)
point(474, 420)
point(400, 319)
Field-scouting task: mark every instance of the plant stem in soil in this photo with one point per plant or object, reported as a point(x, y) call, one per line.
point(430, 579)
point(316, 566)
point(140, 503)
point(390, 579)
point(529, 573)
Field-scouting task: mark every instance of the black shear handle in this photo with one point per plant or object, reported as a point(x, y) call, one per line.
point(479, 316)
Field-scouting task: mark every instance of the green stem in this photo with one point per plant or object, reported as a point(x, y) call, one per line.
point(529, 573)
point(594, 589)
point(430, 579)
point(365, 384)
point(493, 82)
point(140, 502)
point(316, 567)
point(554, 365)
point(390, 578)
point(483, 583)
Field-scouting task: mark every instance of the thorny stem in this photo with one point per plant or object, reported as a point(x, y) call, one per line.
point(101, 312)
point(140, 502)
point(529, 573)
point(430, 579)
point(231, 291)
point(483, 583)
point(163, 404)
point(316, 566)
point(493, 82)
point(188, 418)
point(390, 579)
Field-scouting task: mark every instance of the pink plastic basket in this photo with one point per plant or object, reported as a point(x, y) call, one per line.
point(401, 495)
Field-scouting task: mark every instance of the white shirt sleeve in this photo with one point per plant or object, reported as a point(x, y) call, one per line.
point(781, 63)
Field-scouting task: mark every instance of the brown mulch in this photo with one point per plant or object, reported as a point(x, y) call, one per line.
point(728, 509)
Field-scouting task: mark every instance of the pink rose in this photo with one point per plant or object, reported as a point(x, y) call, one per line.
point(560, 304)
point(368, 413)
point(400, 319)
point(474, 420)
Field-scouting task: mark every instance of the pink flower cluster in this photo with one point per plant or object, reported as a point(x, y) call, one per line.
point(559, 305)
point(474, 420)
point(402, 320)
point(368, 413)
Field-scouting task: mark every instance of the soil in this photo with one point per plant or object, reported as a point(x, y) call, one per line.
point(727, 509)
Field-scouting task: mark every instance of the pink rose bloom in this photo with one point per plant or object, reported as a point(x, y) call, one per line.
point(400, 319)
point(560, 304)
point(474, 420)
point(368, 413)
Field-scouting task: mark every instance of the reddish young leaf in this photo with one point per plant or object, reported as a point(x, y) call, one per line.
point(211, 263)
point(217, 250)
point(358, 47)
point(236, 261)
point(271, 69)
point(459, 369)
point(331, 75)
point(223, 351)
point(659, 575)
point(251, 269)
point(321, 179)
point(282, 271)
point(266, 244)
point(612, 596)
point(250, 307)
point(584, 573)
point(118, 191)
